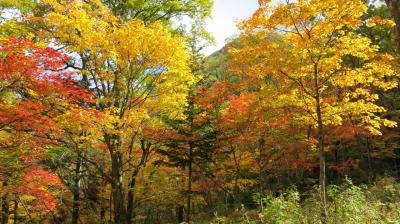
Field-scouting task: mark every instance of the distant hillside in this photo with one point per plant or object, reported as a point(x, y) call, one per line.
point(216, 63)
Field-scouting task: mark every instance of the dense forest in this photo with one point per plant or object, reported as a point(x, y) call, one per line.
point(111, 113)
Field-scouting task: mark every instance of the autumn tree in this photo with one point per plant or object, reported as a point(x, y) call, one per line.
point(127, 68)
point(32, 94)
point(78, 156)
point(333, 70)
point(258, 145)
point(189, 139)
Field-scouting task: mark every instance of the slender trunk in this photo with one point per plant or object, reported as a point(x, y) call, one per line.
point(397, 158)
point(234, 197)
point(117, 188)
point(111, 206)
point(190, 159)
point(189, 197)
point(394, 6)
point(179, 213)
point(5, 207)
point(193, 209)
point(369, 160)
point(16, 203)
point(321, 146)
point(103, 213)
point(135, 171)
point(131, 199)
point(261, 144)
point(76, 190)
point(322, 165)
point(337, 165)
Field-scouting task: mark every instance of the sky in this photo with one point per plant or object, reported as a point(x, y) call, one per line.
point(224, 17)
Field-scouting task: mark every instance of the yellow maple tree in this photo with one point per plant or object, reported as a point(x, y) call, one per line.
point(133, 70)
point(333, 71)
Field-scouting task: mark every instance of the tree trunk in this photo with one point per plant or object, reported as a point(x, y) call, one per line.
point(179, 213)
point(321, 146)
point(16, 202)
point(337, 164)
point(118, 188)
point(371, 175)
point(135, 171)
point(5, 209)
point(322, 165)
point(394, 6)
point(129, 213)
point(261, 144)
point(103, 214)
point(76, 190)
point(189, 197)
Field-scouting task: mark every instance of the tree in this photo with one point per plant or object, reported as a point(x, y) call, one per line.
point(160, 10)
point(190, 140)
point(32, 93)
point(313, 47)
point(133, 70)
point(381, 34)
point(188, 144)
point(76, 149)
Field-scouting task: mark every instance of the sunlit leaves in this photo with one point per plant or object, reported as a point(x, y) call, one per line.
point(321, 53)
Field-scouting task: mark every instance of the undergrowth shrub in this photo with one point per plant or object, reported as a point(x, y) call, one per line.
point(347, 204)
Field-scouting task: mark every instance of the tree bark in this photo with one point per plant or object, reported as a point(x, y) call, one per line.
point(261, 144)
point(118, 188)
point(179, 213)
point(189, 197)
point(76, 190)
point(136, 169)
point(369, 160)
point(103, 214)
point(129, 213)
point(322, 165)
point(16, 202)
point(190, 159)
point(321, 146)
